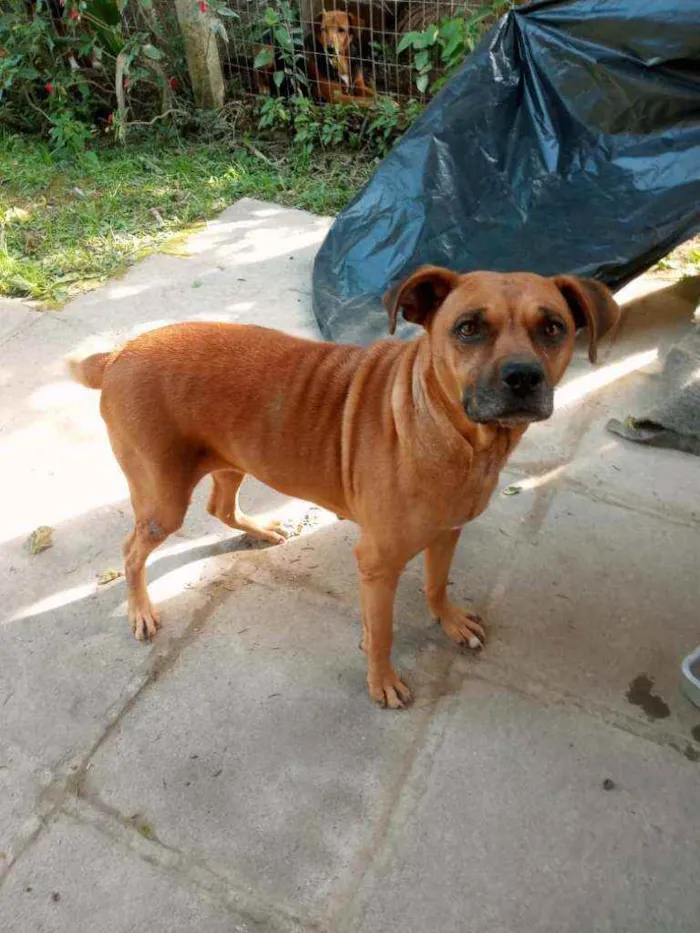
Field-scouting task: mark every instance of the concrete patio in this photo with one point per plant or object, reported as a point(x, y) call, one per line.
point(234, 776)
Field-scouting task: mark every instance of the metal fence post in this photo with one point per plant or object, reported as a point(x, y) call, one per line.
point(202, 50)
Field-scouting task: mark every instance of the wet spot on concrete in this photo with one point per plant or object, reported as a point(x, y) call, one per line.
point(639, 694)
point(696, 733)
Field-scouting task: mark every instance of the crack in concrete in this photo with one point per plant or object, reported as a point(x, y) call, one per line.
point(108, 821)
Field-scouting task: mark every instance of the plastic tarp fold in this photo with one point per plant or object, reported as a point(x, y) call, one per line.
point(569, 141)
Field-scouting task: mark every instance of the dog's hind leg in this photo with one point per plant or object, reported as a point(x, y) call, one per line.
point(223, 504)
point(160, 498)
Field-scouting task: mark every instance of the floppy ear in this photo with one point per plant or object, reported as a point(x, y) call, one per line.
point(592, 305)
point(420, 295)
point(355, 26)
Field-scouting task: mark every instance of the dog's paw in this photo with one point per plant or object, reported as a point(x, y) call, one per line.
point(144, 621)
point(389, 691)
point(280, 531)
point(462, 627)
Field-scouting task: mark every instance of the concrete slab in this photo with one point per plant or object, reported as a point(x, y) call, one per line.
point(14, 315)
point(250, 265)
point(22, 781)
point(602, 600)
point(663, 482)
point(656, 314)
point(78, 881)
point(506, 825)
point(261, 754)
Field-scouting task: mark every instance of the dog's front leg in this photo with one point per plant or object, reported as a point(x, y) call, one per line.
point(459, 625)
point(379, 577)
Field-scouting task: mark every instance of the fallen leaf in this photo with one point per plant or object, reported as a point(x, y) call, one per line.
point(17, 214)
point(197, 283)
point(40, 539)
point(512, 490)
point(108, 576)
point(146, 830)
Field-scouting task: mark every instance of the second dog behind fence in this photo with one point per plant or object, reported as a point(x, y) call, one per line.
point(330, 63)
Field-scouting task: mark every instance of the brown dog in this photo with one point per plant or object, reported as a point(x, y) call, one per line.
point(406, 439)
point(332, 61)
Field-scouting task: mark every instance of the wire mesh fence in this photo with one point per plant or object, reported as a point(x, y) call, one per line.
point(350, 50)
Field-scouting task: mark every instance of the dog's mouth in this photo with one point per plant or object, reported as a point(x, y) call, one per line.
point(507, 419)
point(518, 418)
point(491, 409)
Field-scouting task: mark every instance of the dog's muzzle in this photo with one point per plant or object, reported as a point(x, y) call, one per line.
point(517, 393)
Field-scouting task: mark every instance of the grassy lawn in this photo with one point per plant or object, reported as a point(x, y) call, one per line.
point(65, 228)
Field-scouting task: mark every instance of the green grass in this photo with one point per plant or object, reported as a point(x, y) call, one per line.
point(64, 228)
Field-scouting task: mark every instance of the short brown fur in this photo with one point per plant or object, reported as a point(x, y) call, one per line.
point(396, 436)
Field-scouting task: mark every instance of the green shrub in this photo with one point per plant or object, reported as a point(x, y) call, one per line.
point(71, 70)
point(315, 126)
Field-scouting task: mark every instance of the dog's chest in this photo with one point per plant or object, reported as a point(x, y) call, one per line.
point(476, 485)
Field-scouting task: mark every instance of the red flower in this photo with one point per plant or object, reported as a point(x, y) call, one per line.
point(174, 83)
point(49, 87)
point(203, 6)
point(74, 14)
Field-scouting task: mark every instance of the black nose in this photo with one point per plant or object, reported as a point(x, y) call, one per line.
point(522, 378)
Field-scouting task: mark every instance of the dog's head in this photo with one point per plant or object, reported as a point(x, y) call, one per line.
point(500, 342)
point(335, 34)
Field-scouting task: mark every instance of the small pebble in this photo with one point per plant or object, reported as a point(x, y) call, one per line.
point(55, 897)
point(609, 784)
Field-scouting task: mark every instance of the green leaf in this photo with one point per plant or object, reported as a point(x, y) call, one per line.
point(421, 60)
point(284, 39)
point(512, 490)
point(224, 11)
point(271, 17)
point(150, 51)
point(278, 78)
point(407, 41)
point(478, 17)
point(265, 57)
point(431, 34)
point(146, 4)
point(448, 51)
point(422, 83)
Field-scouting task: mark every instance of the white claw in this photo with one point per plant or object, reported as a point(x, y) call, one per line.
point(474, 642)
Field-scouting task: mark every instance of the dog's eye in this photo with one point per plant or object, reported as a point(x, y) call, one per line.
point(469, 329)
point(552, 328)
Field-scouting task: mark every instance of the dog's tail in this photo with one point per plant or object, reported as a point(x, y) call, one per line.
point(90, 371)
